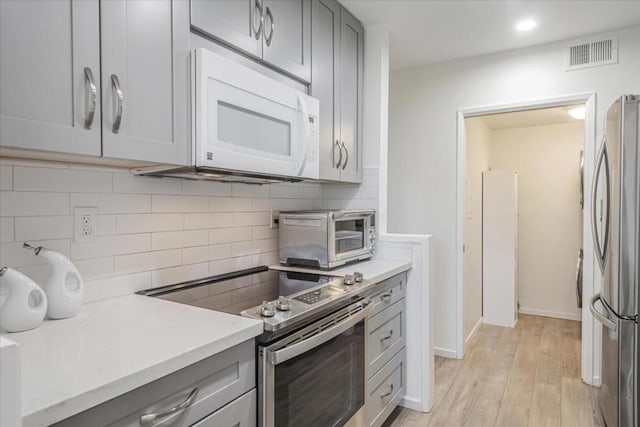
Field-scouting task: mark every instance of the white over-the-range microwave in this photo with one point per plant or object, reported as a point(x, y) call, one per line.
point(247, 126)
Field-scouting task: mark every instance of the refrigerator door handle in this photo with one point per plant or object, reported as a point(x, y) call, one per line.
point(601, 252)
point(600, 317)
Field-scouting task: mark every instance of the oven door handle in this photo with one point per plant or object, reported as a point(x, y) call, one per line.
point(280, 356)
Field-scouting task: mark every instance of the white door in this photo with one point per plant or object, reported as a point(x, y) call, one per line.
point(50, 76)
point(145, 80)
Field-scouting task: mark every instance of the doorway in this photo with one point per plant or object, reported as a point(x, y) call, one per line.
point(542, 144)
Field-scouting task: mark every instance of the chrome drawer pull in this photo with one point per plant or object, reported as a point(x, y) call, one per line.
point(387, 337)
point(387, 295)
point(388, 393)
point(148, 419)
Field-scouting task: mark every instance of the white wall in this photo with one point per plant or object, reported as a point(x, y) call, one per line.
point(422, 137)
point(477, 161)
point(550, 218)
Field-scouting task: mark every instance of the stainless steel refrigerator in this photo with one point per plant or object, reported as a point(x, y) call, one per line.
point(616, 223)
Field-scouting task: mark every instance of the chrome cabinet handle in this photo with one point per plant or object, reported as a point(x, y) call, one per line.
point(258, 32)
point(600, 317)
point(387, 393)
point(600, 252)
point(388, 336)
point(115, 84)
point(273, 27)
point(387, 295)
point(91, 110)
point(153, 417)
point(334, 154)
point(346, 152)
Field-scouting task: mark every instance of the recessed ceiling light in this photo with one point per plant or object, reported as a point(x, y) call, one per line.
point(577, 112)
point(526, 25)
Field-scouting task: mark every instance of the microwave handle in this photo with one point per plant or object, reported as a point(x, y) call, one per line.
point(307, 133)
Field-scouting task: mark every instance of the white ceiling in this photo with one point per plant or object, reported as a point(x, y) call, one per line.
point(428, 31)
point(518, 119)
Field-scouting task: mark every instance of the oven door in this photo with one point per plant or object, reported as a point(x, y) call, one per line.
point(350, 236)
point(317, 376)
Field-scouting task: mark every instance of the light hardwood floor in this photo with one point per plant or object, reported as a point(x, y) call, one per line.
point(512, 377)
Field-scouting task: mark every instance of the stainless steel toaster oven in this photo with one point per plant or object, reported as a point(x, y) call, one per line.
point(326, 239)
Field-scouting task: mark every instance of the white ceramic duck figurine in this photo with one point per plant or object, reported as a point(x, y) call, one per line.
point(26, 304)
point(64, 287)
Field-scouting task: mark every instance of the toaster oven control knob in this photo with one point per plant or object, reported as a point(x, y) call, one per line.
point(268, 309)
point(283, 304)
point(358, 277)
point(348, 280)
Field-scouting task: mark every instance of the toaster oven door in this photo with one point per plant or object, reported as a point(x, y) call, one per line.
point(349, 238)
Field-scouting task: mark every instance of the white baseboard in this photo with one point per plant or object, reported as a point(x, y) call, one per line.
point(445, 352)
point(546, 313)
point(473, 331)
point(411, 403)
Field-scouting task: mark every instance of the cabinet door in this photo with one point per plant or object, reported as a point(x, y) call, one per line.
point(287, 36)
point(325, 48)
point(145, 80)
point(46, 102)
point(351, 72)
point(234, 22)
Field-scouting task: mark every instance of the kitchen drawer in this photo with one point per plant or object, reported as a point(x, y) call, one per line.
point(242, 412)
point(386, 336)
point(219, 380)
point(386, 389)
point(391, 291)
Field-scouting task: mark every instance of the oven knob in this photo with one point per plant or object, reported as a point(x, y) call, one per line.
point(358, 277)
point(268, 309)
point(348, 280)
point(283, 304)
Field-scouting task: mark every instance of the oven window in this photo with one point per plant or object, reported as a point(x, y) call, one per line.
point(349, 235)
point(324, 386)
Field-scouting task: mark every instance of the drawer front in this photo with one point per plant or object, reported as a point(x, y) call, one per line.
point(386, 390)
point(392, 290)
point(386, 336)
point(242, 412)
point(219, 380)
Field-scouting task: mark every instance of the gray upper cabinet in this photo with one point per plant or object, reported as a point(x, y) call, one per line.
point(50, 76)
point(287, 36)
point(234, 22)
point(337, 77)
point(276, 32)
point(145, 80)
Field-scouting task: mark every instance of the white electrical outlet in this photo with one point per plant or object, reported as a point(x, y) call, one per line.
point(85, 224)
point(273, 223)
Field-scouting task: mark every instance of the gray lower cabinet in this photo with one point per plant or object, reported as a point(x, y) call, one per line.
point(219, 390)
point(277, 32)
point(96, 78)
point(337, 50)
point(386, 354)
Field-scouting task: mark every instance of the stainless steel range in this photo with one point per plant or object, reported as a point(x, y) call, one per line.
point(311, 357)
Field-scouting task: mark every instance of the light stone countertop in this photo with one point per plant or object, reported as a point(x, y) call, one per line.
point(374, 271)
point(114, 346)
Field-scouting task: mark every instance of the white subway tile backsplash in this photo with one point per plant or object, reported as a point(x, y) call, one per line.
point(205, 253)
point(206, 188)
point(95, 268)
point(17, 203)
point(14, 255)
point(170, 276)
point(96, 290)
point(179, 239)
point(230, 204)
point(43, 227)
point(161, 203)
point(113, 203)
point(229, 265)
point(6, 230)
point(248, 190)
point(127, 183)
point(111, 245)
point(61, 180)
point(241, 219)
point(6, 177)
point(227, 235)
point(106, 225)
point(254, 247)
point(145, 223)
point(146, 261)
point(264, 232)
point(194, 221)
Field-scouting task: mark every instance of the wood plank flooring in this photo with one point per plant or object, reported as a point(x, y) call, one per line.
point(512, 377)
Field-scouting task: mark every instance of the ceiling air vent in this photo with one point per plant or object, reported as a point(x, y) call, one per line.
point(592, 53)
